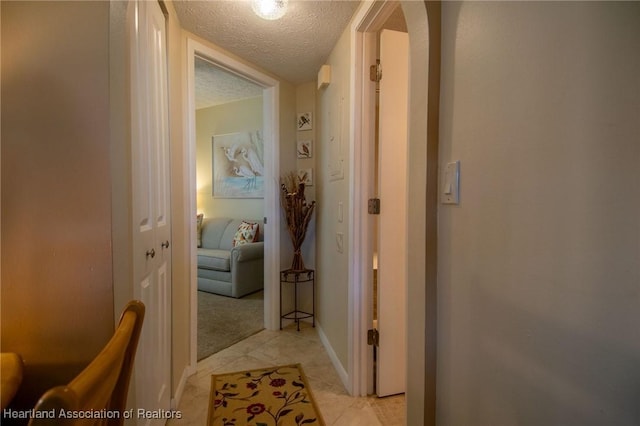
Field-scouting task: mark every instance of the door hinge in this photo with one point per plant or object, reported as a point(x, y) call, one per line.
point(374, 205)
point(375, 72)
point(373, 337)
point(265, 220)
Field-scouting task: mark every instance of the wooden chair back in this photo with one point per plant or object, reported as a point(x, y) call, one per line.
point(100, 390)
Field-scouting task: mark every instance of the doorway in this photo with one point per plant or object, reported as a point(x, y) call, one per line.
point(270, 136)
point(423, 24)
point(229, 142)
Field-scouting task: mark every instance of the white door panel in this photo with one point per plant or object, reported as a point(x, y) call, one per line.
point(151, 206)
point(392, 222)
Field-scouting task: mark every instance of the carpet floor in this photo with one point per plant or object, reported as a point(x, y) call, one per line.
point(223, 321)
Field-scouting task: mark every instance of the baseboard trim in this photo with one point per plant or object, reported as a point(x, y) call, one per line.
point(342, 373)
point(175, 401)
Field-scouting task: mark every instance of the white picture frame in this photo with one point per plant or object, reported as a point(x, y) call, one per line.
point(306, 176)
point(305, 121)
point(305, 149)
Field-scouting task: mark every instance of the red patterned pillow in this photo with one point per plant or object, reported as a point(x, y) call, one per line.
point(247, 233)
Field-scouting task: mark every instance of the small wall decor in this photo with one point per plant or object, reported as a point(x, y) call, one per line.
point(238, 165)
point(305, 121)
point(306, 176)
point(305, 149)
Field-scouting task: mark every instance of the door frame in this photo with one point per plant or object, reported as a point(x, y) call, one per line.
point(423, 24)
point(271, 134)
point(366, 24)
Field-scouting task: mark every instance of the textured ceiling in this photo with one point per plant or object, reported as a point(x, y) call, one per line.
point(293, 47)
point(214, 86)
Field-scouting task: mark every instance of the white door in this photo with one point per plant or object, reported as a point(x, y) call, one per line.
point(150, 205)
point(392, 222)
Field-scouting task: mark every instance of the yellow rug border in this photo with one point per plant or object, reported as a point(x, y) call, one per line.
point(302, 375)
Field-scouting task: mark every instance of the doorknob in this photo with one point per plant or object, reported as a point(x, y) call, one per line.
point(151, 253)
point(165, 244)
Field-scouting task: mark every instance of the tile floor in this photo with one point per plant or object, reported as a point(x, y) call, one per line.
point(269, 348)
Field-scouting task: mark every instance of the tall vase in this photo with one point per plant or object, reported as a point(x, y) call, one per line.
point(298, 262)
point(297, 214)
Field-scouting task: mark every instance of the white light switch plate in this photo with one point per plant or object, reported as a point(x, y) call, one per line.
point(450, 188)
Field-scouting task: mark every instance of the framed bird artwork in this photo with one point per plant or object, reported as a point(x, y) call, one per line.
point(304, 121)
point(305, 149)
point(238, 165)
point(305, 176)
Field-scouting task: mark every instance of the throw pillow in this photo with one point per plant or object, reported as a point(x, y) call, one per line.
point(199, 219)
point(247, 233)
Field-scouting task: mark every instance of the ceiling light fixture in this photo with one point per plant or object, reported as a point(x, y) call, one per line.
point(269, 9)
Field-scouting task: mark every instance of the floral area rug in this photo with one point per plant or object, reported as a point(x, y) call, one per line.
point(277, 396)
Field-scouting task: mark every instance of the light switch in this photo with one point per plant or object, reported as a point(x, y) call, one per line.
point(451, 184)
point(448, 188)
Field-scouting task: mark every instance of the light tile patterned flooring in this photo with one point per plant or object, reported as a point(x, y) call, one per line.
point(269, 348)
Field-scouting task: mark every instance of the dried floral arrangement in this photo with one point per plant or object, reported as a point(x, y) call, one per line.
point(297, 214)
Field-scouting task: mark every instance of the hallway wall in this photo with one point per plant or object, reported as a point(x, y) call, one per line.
point(539, 265)
point(332, 179)
point(57, 288)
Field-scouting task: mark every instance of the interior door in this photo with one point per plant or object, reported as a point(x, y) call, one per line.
point(392, 222)
point(151, 206)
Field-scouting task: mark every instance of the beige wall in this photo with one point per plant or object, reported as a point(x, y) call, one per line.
point(332, 267)
point(288, 160)
point(120, 138)
point(233, 117)
point(57, 291)
point(306, 102)
point(539, 271)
